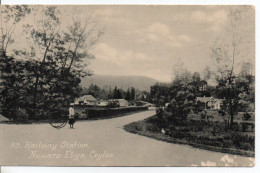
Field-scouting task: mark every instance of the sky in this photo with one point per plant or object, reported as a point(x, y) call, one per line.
point(149, 40)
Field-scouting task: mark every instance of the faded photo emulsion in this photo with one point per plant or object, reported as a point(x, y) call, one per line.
point(127, 85)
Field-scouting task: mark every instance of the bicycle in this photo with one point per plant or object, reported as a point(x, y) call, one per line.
point(58, 120)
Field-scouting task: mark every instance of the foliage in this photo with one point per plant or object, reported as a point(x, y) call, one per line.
point(46, 74)
point(128, 95)
point(132, 93)
point(231, 87)
point(247, 116)
point(159, 94)
point(197, 133)
point(182, 95)
point(10, 17)
point(117, 93)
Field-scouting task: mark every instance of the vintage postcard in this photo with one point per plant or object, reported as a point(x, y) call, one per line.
point(127, 85)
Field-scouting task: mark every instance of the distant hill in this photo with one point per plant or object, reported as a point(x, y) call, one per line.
point(140, 82)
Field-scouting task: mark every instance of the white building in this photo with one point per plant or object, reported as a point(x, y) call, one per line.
point(86, 100)
point(121, 102)
point(102, 103)
point(210, 102)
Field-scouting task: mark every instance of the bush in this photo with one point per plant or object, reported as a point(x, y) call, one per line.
point(16, 114)
point(203, 115)
point(134, 127)
point(152, 128)
point(246, 146)
point(227, 143)
point(109, 112)
point(21, 115)
point(177, 134)
point(246, 116)
point(138, 127)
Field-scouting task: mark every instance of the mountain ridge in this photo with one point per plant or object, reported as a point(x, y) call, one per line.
point(142, 83)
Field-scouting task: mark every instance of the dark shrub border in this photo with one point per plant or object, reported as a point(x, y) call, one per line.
point(94, 113)
point(136, 128)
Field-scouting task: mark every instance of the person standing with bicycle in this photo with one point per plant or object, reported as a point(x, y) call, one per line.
point(71, 116)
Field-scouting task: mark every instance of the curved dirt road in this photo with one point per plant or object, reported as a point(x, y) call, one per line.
point(100, 143)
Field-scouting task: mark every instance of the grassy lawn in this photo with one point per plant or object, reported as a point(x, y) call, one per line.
point(205, 134)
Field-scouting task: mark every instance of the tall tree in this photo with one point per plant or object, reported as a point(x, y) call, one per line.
point(11, 71)
point(128, 96)
point(196, 77)
point(182, 95)
point(181, 73)
point(10, 17)
point(132, 93)
point(60, 54)
point(225, 53)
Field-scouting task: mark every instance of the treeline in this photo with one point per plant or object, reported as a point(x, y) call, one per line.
point(237, 92)
point(44, 74)
point(107, 93)
point(236, 87)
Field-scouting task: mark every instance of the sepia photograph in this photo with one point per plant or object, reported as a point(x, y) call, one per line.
point(127, 85)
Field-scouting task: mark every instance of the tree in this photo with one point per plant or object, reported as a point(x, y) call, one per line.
point(132, 93)
point(53, 61)
point(110, 94)
point(196, 77)
point(207, 74)
point(225, 53)
point(115, 93)
point(181, 73)
point(159, 94)
point(10, 17)
point(94, 90)
point(11, 71)
point(61, 55)
point(182, 96)
point(247, 69)
point(128, 96)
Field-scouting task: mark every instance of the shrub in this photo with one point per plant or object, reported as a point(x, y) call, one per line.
point(246, 146)
point(247, 127)
point(134, 127)
point(246, 116)
point(227, 143)
point(138, 127)
point(152, 128)
point(108, 112)
point(21, 115)
point(16, 114)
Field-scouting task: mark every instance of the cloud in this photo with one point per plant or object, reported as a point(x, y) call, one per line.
point(159, 29)
point(103, 12)
point(120, 58)
point(161, 34)
point(215, 19)
point(185, 38)
point(112, 61)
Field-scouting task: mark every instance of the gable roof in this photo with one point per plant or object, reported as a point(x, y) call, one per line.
point(206, 99)
point(88, 98)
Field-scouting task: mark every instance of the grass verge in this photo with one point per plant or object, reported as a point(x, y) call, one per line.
point(146, 128)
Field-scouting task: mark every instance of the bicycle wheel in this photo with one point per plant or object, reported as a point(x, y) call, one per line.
point(58, 121)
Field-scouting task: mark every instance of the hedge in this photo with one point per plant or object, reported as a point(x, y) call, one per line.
point(93, 113)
